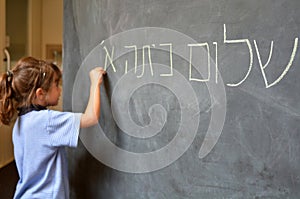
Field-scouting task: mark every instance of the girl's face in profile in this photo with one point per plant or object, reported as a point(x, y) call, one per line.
point(52, 96)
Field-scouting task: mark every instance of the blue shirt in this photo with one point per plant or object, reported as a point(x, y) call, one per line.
point(40, 138)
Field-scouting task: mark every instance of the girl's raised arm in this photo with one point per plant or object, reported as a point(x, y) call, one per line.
point(92, 112)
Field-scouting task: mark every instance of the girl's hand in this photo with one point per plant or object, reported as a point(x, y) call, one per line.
point(91, 114)
point(96, 75)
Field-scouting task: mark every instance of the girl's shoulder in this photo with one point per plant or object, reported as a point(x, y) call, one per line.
point(59, 118)
point(47, 115)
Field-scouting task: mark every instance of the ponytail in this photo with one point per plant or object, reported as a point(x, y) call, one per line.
point(7, 108)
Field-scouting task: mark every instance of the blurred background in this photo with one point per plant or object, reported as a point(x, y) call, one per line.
point(27, 28)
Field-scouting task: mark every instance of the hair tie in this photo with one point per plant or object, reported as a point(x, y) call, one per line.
point(43, 74)
point(9, 75)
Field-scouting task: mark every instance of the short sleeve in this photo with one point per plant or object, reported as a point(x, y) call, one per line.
point(63, 128)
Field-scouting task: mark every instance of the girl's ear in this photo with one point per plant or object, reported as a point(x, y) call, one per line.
point(40, 94)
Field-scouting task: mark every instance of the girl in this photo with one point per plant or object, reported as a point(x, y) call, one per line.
point(40, 135)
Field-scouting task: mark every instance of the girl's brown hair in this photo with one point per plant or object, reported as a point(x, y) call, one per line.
point(18, 86)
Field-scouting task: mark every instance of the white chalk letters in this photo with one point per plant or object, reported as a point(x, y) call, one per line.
point(192, 48)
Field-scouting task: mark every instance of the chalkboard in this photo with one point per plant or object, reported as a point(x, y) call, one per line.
point(201, 98)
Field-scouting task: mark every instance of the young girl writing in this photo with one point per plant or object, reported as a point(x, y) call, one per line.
point(39, 134)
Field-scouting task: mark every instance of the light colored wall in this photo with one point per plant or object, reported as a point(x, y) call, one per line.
point(35, 28)
point(45, 25)
point(52, 23)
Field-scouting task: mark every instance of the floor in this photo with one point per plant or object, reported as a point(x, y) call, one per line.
point(8, 180)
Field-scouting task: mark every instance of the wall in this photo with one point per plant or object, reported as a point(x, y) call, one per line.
point(52, 23)
point(35, 28)
point(45, 25)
